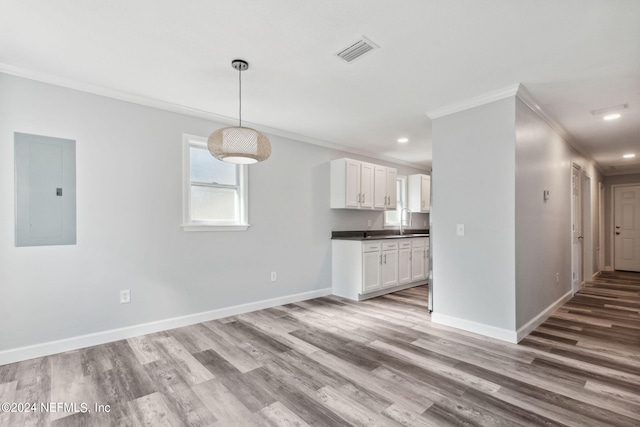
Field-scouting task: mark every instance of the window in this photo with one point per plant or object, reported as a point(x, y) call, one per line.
point(392, 218)
point(215, 192)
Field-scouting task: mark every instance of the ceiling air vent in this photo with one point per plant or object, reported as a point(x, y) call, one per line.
point(357, 49)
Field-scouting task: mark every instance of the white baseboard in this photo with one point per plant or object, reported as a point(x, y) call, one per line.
point(475, 327)
point(82, 341)
point(540, 318)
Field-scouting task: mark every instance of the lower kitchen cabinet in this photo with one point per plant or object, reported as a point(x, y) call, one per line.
point(364, 269)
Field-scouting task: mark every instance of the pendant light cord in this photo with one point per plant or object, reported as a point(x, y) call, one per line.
point(240, 94)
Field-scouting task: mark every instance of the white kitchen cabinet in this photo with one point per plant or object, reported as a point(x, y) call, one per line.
point(389, 266)
point(385, 188)
point(404, 262)
point(371, 267)
point(380, 187)
point(392, 189)
point(361, 185)
point(419, 260)
point(363, 269)
point(419, 192)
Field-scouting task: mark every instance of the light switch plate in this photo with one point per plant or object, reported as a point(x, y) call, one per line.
point(460, 229)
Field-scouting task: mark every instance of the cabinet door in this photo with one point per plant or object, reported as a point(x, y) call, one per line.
point(417, 264)
point(379, 187)
point(371, 262)
point(389, 268)
point(353, 184)
point(425, 193)
point(366, 185)
point(404, 265)
point(392, 188)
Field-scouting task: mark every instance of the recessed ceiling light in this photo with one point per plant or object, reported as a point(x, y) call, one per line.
point(629, 156)
point(612, 116)
point(403, 140)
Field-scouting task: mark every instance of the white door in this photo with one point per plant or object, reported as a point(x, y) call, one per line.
point(389, 268)
point(627, 228)
point(379, 187)
point(371, 262)
point(353, 184)
point(392, 188)
point(576, 229)
point(418, 271)
point(366, 185)
point(404, 265)
point(425, 193)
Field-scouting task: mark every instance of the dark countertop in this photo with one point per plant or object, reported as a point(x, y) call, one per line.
point(378, 234)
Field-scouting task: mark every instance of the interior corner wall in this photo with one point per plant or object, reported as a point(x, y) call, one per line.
point(609, 182)
point(474, 184)
point(543, 229)
point(129, 211)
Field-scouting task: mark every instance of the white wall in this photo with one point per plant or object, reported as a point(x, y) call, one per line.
point(543, 236)
point(473, 184)
point(129, 196)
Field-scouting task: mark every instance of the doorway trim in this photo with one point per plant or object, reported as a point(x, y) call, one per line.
point(587, 228)
point(578, 270)
point(601, 227)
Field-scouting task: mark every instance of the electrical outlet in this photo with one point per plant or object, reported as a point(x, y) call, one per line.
point(557, 278)
point(273, 276)
point(460, 230)
point(125, 296)
point(369, 223)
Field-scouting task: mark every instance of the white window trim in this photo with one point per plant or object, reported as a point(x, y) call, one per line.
point(406, 194)
point(243, 179)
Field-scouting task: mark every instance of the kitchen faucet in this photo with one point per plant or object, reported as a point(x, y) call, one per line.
point(408, 219)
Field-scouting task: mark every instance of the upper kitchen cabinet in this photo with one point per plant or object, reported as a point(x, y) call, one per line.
point(384, 185)
point(419, 189)
point(361, 185)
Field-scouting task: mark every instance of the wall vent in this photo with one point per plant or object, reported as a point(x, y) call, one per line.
point(357, 50)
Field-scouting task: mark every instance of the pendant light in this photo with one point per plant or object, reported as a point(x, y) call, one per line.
point(239, 145)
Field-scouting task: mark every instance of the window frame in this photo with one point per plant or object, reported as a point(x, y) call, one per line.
point(402, 197)
point(242, 224)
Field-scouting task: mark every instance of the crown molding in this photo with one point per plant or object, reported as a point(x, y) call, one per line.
point(474, 102)
point(188, 111)
point(525, 96)
point(521, 92)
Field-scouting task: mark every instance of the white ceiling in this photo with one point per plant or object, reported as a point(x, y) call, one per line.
point(574, 56)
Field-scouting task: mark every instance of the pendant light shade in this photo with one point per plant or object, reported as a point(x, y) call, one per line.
point(239, 145)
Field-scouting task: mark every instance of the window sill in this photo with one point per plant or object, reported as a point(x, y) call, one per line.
point(217, 227)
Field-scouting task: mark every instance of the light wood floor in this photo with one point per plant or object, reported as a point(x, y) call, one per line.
point(332, 362)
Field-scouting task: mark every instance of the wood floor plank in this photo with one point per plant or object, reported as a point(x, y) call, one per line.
point(151, 411)
point(190, 369)
point(278, 415)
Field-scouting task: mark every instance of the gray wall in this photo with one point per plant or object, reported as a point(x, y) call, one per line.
point(473, 184)
point(543, 239)
point(491, 165)
point(129, 195)
point(609, 181)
